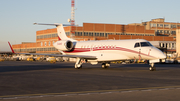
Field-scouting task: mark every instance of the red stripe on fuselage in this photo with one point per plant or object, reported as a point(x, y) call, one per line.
point(79, 50)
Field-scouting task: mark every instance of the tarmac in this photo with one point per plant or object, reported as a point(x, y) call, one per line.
point(43, 81)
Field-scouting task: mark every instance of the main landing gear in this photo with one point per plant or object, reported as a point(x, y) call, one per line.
point(78, 64)
point(105, 65)
point(152, 68)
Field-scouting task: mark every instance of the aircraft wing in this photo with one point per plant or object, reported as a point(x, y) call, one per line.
point(57, 55)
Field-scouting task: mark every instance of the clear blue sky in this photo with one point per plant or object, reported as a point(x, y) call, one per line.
point(17, 16)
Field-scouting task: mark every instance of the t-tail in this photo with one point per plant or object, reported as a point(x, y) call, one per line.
point(60, 30)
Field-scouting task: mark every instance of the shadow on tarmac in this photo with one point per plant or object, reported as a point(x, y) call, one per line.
point(12, 66)
point(32, 66)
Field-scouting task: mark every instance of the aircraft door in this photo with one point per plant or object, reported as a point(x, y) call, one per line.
point(145, 49)
point(137, 48)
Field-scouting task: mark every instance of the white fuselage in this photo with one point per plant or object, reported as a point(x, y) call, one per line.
point(105, 50)
point(112, 50)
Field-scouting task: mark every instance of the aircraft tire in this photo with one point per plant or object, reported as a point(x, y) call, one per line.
point(152, 68)
point(104, 66)
point(78, 67)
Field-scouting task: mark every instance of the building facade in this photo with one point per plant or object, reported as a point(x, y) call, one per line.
point(178, 42)
point(161, 27)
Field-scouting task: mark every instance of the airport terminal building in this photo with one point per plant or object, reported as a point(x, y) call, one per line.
point(164, 33)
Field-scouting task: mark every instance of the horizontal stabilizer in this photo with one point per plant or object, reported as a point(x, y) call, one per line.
point(55, 24)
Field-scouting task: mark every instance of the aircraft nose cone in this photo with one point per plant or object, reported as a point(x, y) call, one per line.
point(158, 53)
point(162, 56)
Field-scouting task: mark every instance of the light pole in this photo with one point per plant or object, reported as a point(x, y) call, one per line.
point(144, 23)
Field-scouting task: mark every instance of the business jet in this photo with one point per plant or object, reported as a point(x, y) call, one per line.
point(103, 51)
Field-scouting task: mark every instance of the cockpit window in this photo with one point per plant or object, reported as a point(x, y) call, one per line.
point(144, 44)
point(136, 45)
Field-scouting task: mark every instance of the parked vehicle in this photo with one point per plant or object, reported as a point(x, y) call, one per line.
point(1, 59)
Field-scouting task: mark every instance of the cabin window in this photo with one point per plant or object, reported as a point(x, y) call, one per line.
point(104, 46)
point(136, 45)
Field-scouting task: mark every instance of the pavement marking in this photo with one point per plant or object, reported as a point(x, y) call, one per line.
point(87, 92)
point(71, 94)
point(135, 90)
point(83, 94)
point(60, 95)
point(125, 91)
point(35, 96)
point(9, 98)
point(94, 93)
point(105, 92)
point(146, 90)
point(164, 89)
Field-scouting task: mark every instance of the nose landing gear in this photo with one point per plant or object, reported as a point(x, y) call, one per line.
point(152, 68)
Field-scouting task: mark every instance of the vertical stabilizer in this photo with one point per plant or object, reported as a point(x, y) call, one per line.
point(61, 33)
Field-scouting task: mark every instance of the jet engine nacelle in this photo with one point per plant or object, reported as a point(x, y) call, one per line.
point(64, 45)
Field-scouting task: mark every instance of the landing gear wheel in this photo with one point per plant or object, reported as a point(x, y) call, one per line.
point(105, 65)
point(152, 68)
point(78, 67)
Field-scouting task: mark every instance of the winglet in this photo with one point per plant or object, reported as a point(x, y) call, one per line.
point(11, 47)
